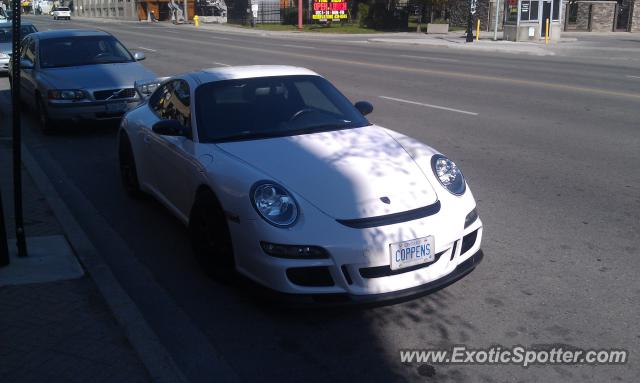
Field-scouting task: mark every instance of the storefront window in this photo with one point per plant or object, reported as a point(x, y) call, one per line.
point(529, 10)
point(511, 12)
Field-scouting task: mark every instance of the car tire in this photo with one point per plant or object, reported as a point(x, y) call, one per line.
point(210, 237)
point(55, 18)
point(128, 170)
point(46, 125)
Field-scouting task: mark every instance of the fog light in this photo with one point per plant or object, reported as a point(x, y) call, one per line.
point(471, 218)
point(294, 251)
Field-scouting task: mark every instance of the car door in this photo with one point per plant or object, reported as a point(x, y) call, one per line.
point(175, 169)
point(27, 76)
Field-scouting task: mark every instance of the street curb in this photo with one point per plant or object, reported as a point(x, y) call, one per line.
point(154, 356)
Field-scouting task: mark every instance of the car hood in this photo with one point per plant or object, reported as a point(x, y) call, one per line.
point(100, 76)
point(345, 173)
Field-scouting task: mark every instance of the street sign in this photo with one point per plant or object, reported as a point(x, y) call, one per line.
point(474, 4)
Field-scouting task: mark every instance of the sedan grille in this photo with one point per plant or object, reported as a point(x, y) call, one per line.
point(114, 94)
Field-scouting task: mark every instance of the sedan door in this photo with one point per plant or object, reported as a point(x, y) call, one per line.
point(28, 84)
point(175, 170)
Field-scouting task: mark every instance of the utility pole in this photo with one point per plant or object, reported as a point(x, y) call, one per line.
point(472, 11)
point(495, 29)
point(186, 12)
point(17, 144)
point(300, 15)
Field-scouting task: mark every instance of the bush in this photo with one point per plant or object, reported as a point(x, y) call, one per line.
point(440, 21)
point(364, 20)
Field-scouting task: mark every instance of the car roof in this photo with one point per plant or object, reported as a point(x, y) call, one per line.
point(249, 71)
point(68, 33)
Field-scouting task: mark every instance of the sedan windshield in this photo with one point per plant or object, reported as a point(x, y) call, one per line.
point(272, 107)
point(82, 50)
point(6, 33)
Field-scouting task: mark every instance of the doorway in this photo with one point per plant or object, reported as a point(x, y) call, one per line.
point(546, 14)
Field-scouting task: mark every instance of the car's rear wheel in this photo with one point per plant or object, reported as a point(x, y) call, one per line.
point(210, 237)
point(45, 122)
point(128, 171)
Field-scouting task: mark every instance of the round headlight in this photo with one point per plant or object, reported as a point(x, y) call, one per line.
point(448, 174)
point(274, 204)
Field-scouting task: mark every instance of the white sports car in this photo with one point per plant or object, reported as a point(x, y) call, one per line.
point(278, 176)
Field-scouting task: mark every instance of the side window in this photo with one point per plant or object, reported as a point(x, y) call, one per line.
point(172, 101)
point(23, 48)
point(30, 53)
point(182, 103)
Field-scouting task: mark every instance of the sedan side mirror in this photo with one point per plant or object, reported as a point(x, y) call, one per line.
point(26, 64)
point(169, 128)
point(139, 56)
point(364, 107)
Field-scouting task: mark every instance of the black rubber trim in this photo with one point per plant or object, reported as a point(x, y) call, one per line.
point(390, 219)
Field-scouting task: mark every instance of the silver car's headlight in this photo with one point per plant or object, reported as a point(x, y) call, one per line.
point(274, 204)
point(4, 56)
point(448, 174)
point(67, 94)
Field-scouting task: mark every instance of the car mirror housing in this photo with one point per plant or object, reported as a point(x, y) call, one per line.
point(364, 107)
point(26, 64)
point(169, 128)
point(139, 56)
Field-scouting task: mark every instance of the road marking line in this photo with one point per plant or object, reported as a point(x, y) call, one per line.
point(429, 105)
point(431, 58)
point(638, 77)
point(147, 49)
point(297, 46)
point(222, 64)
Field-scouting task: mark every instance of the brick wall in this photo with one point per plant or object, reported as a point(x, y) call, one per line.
point(635, 18)
point(602, 16)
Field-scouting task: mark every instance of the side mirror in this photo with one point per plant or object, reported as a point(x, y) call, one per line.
point(139, 56)
point(169, 128)
point(26, 64)
point(364, 107)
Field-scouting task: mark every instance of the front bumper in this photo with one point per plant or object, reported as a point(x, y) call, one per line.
point(4, 65)
point(338, 299)
point(89, 110)
point(358, 265)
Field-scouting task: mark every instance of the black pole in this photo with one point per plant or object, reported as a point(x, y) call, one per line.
point(470, 23)
point(17, 144)
point(4, 249)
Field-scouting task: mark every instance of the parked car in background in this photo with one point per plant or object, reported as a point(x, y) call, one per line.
point(279, 177)
point(6, 41)
point(61, 13)
point(78, 75)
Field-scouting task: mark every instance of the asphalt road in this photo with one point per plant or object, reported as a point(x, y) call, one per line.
point(549, 145)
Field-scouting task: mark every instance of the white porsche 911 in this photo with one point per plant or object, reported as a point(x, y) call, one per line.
point(280, 178)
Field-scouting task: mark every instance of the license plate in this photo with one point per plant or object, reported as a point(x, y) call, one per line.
point(115, 107)
point(413, 252)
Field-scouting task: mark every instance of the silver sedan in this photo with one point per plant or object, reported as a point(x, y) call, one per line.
point(6, 41)
point(78, 75)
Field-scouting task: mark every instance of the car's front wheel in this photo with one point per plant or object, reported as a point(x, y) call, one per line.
point(210, 237)
point(128, 171)
point(43, 117)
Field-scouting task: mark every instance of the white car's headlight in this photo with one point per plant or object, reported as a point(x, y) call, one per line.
point(448, 174)
point(274, 204)
point(4, 56)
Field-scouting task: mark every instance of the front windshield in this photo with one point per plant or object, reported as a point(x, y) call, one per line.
point(82, 50)
point(6, 33)
point(270, 107)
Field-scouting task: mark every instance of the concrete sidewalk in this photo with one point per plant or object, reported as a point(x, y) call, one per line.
point(60, 330)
